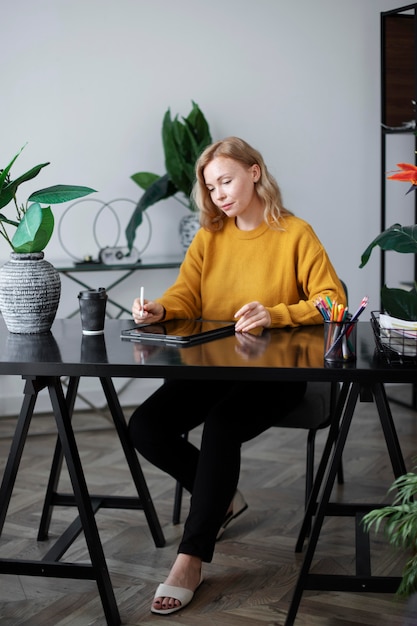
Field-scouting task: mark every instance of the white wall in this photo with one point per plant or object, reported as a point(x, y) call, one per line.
point(86, 84)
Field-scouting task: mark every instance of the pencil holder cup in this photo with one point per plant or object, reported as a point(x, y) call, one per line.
point(93, 310)
point(340, 341)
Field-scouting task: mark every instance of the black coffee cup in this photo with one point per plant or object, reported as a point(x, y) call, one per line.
point(93, 310)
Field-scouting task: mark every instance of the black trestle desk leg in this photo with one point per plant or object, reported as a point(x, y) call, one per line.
point(56, 466)
point(318, 479)
point(388, 427)
point(302, 582)
point(83, 500)
point(377, 392)
point(32, 387)
point(133, 462)
point(143, 501)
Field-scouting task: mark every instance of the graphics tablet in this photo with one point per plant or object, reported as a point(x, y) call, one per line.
point(179, 332)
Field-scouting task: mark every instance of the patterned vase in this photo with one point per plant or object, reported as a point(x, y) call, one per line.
point(189, 225)
point(30, 289)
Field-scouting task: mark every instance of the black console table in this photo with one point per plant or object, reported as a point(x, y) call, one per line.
point(76, 270)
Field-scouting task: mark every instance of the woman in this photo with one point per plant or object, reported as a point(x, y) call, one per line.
point(255, 262)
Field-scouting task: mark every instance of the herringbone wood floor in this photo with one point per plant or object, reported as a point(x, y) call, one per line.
point(251, 579)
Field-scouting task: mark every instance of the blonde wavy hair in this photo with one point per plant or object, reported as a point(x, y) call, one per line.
point(267, 189)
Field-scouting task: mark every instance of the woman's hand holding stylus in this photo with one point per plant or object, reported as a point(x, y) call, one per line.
point(147, 311)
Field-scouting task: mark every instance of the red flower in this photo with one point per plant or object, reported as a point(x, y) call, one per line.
point(406, 173)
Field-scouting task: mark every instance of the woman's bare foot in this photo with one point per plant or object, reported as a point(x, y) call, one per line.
point(185, 573)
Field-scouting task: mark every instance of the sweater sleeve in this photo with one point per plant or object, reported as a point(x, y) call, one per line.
point(315, 276)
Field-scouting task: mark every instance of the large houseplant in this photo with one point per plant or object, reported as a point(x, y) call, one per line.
point(399, 303)
point(183, 141)
point(400, 527)
point(30, 287)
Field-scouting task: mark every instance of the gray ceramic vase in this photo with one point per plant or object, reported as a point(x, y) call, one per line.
point(30, 290)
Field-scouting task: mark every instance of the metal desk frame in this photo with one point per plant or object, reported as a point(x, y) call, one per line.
point(289, 354)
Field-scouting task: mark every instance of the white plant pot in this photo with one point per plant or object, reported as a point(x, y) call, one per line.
point(189, 225)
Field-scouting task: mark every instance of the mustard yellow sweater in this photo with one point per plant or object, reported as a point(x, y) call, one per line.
point(285, 270)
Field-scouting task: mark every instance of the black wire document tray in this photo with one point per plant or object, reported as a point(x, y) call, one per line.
point(394, 344)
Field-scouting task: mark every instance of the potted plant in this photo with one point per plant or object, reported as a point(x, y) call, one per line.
point(30, 287)
point(400, 527)
point(398, 303)
point(183, 141)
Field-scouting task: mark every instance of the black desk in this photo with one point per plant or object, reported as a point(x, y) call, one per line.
point(279, 355)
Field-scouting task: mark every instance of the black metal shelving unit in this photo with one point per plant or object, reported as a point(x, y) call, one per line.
point(398, 105)
point(398, 91)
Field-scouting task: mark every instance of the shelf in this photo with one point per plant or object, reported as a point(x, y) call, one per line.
point(398, 98)
point(398, 91)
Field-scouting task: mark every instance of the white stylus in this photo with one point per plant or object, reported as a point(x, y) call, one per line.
point(141, 301)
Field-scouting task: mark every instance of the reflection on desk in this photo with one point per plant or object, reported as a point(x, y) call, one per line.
point(32, 348)
point(303, 348)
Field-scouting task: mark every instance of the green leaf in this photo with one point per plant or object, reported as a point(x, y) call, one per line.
point(4, 173)
point(396, 237)
point(408, 583)
point(34, 230)
point(400, 303)
point(200, 128)
point(183, 143)
point(406, 484)
point(4, 219)
point(60, 193)
point(145, 179)
point(174, 142)
point(8, 190)
point(161, 189)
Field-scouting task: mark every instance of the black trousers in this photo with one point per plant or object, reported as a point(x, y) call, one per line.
point(232, 413)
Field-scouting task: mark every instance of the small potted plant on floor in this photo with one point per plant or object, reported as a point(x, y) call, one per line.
point(183, 141)
point(400, 527)
point(30, 287)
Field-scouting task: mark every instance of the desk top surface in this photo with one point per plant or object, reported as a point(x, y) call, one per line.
point(285, 354)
